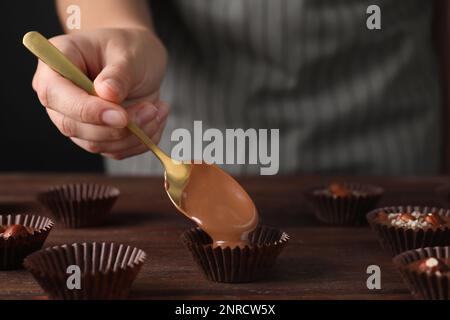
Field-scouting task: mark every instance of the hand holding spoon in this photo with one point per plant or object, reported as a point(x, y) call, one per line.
point(176, 173)
point(202, 192)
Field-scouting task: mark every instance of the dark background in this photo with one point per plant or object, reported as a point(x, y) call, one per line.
point(28, 140)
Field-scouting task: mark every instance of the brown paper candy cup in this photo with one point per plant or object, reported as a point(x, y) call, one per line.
point(348, 210)
point(398, 239)
point(107, 270)
point(253, 262)
point(423, 285)
point(14, 250)
point(79, 205)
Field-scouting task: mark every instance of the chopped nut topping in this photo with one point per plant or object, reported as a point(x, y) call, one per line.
point(413, 220)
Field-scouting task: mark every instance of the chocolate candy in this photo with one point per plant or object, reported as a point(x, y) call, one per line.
point(433, 265)
point(15, 231)
point(339, 190)
point(434, 219)
point(416, 220)
point(407, 217)
point(383, 216)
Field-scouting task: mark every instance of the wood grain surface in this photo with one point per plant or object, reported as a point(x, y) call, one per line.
point(320, 262)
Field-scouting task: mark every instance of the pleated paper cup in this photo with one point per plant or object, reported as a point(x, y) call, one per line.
point(251, 263)
point(395, 239)
point(79, 205)
point(106, 270)
point(344, 210)
point(13, 250)
point(424, 285)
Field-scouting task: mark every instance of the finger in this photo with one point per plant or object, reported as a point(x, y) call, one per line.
point(152, 126)
point(120, 73)
point(114, 81)
point(61, 95)
point(127, 153)
point(163, 110)
point(157, 136)
point(102, 147)
point(163, 113)
point(74, 129)
point(136, 150)
point(151, 129)
point(144, 112)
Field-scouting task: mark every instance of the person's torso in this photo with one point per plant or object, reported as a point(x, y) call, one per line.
point(346, 99)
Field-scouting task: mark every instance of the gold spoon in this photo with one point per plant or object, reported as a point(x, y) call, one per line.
point(176, 173)
point(202, 192)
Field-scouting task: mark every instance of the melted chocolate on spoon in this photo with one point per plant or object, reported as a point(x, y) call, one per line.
point(219, 205)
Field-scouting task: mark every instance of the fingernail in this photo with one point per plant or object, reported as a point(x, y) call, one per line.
point(113, 118)
point(146, 114)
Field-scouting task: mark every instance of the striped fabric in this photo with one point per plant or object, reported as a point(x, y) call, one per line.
point(347, 100)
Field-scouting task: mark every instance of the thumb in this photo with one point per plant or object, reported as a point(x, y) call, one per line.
point(113, 82)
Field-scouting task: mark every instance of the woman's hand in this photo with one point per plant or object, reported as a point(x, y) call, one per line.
point(128, 66)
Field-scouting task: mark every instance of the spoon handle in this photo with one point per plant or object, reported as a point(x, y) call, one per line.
point(55, 59)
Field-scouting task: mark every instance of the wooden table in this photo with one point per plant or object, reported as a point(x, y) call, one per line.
point(320, 262)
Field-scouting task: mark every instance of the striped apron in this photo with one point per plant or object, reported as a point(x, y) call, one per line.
point(347, 100)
